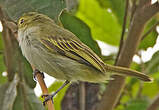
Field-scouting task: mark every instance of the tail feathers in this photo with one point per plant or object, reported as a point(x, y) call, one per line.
point(128, 72)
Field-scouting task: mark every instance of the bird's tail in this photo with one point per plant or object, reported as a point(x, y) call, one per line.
point(128, 72)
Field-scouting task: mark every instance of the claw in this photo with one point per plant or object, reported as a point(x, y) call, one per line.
point(45, 95)
point(36, 71)
point(48, 97)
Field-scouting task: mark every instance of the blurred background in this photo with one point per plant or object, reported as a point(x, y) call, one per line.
point(103, 25)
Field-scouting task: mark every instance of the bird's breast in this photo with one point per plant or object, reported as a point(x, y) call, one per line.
point(38, 55)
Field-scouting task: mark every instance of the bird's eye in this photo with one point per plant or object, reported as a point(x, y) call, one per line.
point(21, 21)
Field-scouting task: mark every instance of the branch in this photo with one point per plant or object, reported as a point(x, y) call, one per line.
point(9, 44)
point(133, 9)
point(115, 87)
point(82, 96)
point(144, 2)
point(44, 89)
point(155, 104)
point(150, 10)
point(123, 29)
point(13, 27)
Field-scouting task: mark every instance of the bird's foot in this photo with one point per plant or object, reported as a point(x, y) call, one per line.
point(36, 71)
point(48, 97)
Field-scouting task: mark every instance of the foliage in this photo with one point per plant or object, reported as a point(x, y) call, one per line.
point(73, 24)
point(104, 25)
point(93, 20)
point(2, 66)
point(15, 8)
point(151, 38)
point(117, 6)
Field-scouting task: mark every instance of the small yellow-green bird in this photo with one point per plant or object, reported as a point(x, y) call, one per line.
point(59, 53)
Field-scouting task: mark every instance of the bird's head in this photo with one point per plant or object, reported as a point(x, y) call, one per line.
point(33, 18)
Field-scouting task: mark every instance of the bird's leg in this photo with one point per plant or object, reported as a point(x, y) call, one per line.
point(48, 97)
point(36, 71)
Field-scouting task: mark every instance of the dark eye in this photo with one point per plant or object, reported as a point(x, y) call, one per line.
point(21, 21)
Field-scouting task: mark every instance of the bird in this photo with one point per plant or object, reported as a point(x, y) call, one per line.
point(60, 53)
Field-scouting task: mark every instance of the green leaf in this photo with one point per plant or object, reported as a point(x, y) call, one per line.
point(152, 66)
point(133, 87)
point(151, 89)
point(8, 94)
point(117, 7)
point(15, 8)
point(137, 104)
point(2, 65)
point(80, 29)
point(1, 43)
point(28, 72)
point(104, 3)
point(150, 39)
point(103, 24)
point(2, 69)
point(16, 95)
point(60, 95)
point(26, 99)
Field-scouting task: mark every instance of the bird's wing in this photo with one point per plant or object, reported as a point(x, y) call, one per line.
point(74, 50)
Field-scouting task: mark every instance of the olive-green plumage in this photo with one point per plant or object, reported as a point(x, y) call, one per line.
point(58, 52)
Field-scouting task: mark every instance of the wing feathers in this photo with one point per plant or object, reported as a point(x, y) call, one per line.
point(75, 50)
